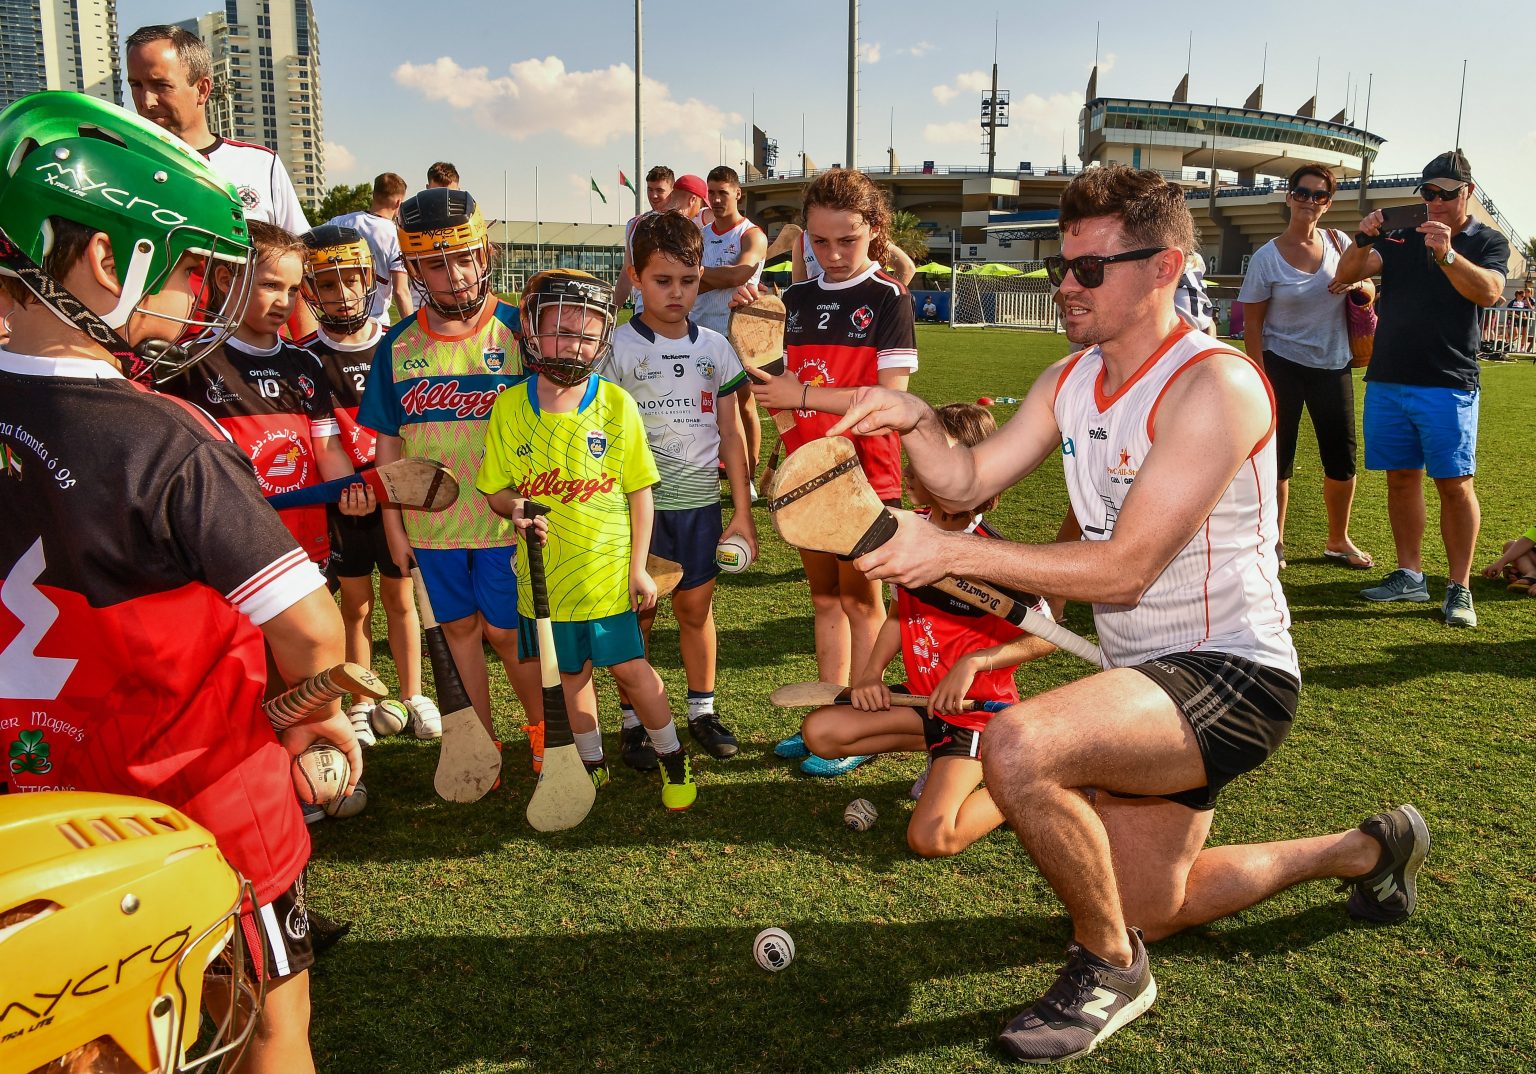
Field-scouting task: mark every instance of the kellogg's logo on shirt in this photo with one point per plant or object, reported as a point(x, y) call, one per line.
point(425, 397)
point(550, 483)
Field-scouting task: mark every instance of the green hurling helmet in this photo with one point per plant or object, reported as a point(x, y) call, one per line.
point(84, 160)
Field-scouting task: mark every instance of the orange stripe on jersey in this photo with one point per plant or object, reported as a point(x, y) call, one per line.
point(1202, 356)
point(486, 313)
point(1104, 402)
point(1066, 370)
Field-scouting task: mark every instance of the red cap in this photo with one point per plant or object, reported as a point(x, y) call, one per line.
point(692, 184)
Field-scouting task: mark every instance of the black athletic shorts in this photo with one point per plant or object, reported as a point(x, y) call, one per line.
point(1240, 712)
point(947, 740)
point(284, 924)
point(358, 545)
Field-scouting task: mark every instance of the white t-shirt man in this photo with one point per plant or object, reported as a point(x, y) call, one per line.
point(384, 240)
point(722, 250)
point(261, 181)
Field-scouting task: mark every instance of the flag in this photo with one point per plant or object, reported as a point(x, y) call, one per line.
point(598, 190)
point(624, 181)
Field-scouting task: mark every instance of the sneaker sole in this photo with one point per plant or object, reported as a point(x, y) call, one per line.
point(1122, 1018)
point(1411, 598)
point(1417, 858)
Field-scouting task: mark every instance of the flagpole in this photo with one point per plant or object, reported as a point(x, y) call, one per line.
point(639, 115)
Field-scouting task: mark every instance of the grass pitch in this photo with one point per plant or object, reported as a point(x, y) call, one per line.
point(625, 945)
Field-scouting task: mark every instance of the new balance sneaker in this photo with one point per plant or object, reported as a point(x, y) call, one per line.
point(1090, 1000)
point(1458, 606)
point(711, 734)
point(599, 773)
point(792, 748)
point(360, 716)
point(636, 749)
point(426, 721)
point(678, 790)
point(1399, 585)
point(827, 767)
point(1390, 892)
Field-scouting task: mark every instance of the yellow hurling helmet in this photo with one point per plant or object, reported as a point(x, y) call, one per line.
point(111, 910)
point(433, 226)
point(330, 249)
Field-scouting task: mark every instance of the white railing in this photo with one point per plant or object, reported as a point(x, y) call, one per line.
point(1508, 331)
point(1027, 309)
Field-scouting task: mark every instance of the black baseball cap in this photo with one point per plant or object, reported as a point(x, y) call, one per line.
point(1449, 170)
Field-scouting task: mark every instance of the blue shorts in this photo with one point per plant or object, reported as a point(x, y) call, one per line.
point(463, 581)
point(690, 537)
point(1408, 427)
point(613, 639)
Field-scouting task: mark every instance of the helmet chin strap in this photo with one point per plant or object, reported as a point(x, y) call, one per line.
point(135, 361)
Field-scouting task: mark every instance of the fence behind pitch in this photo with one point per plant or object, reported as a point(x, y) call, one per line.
point(1011, 298)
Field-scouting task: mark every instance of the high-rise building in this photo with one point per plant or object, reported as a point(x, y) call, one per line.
point(266, 83)
point(60, 45)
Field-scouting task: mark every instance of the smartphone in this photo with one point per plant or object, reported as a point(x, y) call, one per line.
point(1404, 217)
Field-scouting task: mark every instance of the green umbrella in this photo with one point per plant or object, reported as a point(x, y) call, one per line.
point(1037, 274)
point(994, 269)
point(933, 268)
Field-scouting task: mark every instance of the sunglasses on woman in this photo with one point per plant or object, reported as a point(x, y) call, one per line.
point(1317, 197)
point(1089, 269)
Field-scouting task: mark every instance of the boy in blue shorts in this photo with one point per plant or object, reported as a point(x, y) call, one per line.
point(434, 379)
point(575, 442)
point(684, 378)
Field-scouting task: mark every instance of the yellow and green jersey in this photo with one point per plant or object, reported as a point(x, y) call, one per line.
point(582, 465)
point(436, 395)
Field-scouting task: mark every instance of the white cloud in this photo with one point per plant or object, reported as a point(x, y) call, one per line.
point(917, 51)
point(870, 54)
point(590, 108)
point(969, 81)
point(339, 160)
point(1106, 63)
point(953, 132)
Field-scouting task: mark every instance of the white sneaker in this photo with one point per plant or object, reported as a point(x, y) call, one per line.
point(426, 721)
point(361, 716)
point(752, 489)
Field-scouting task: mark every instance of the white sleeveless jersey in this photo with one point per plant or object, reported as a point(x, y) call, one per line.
point(713, 308)
point(1221, 592)
point(812, 266)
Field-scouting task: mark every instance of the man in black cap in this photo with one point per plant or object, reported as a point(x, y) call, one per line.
point(1422, 384)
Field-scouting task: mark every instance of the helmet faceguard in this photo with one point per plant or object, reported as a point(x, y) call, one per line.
point(332, 251)
point(557, 309)
point(73, 157)
point(113, 910)
point(437, 227)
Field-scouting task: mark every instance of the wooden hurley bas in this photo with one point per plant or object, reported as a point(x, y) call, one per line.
point(820, 500)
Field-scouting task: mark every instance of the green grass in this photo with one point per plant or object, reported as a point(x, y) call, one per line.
point(624, 945)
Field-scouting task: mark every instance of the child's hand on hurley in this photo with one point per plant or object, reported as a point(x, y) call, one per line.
point(642, 590)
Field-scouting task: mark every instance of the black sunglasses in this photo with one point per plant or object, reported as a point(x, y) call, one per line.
point(1301, 193)
point(1089, 269)
point(1430, 193)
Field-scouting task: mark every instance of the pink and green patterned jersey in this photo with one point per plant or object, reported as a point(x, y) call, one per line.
point(436, 395)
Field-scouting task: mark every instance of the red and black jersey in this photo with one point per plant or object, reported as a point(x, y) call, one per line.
point(273, 404)
point(346, 367)
point(841, 335)
point(136, 561)
point(935, 636)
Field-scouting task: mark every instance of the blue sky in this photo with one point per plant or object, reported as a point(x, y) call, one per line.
point(507, 87)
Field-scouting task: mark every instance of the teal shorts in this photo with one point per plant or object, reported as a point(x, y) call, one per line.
point(614, 639)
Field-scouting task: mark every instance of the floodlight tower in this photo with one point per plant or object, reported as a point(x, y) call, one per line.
point(853, 84)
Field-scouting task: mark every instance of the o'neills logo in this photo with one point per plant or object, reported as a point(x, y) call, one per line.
point(579, 489)
point(445, 395)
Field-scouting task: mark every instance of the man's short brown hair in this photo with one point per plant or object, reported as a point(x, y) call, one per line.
point(724, 173)
point(388, 185)
point(667, 233)
point(1152, 211)
point(442, 174)
point(660, 174)
point(189, 47)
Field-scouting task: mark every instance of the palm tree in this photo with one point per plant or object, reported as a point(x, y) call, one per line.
point(907, 233)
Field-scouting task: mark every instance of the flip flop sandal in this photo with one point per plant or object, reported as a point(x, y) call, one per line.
point(1522, 584)
point(1355, 561)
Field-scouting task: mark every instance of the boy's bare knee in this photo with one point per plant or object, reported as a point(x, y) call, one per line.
point(932, 840)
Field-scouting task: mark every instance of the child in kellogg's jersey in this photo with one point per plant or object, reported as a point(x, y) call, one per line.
point(575, 442)
point(434, 380)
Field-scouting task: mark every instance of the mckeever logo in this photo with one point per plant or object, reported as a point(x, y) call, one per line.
point(77, 181)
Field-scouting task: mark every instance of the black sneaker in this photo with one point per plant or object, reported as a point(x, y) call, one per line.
point(711, 734)
point(1089, 1001)
point(599, 773)
point(1390, 892)
point(636, 749)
